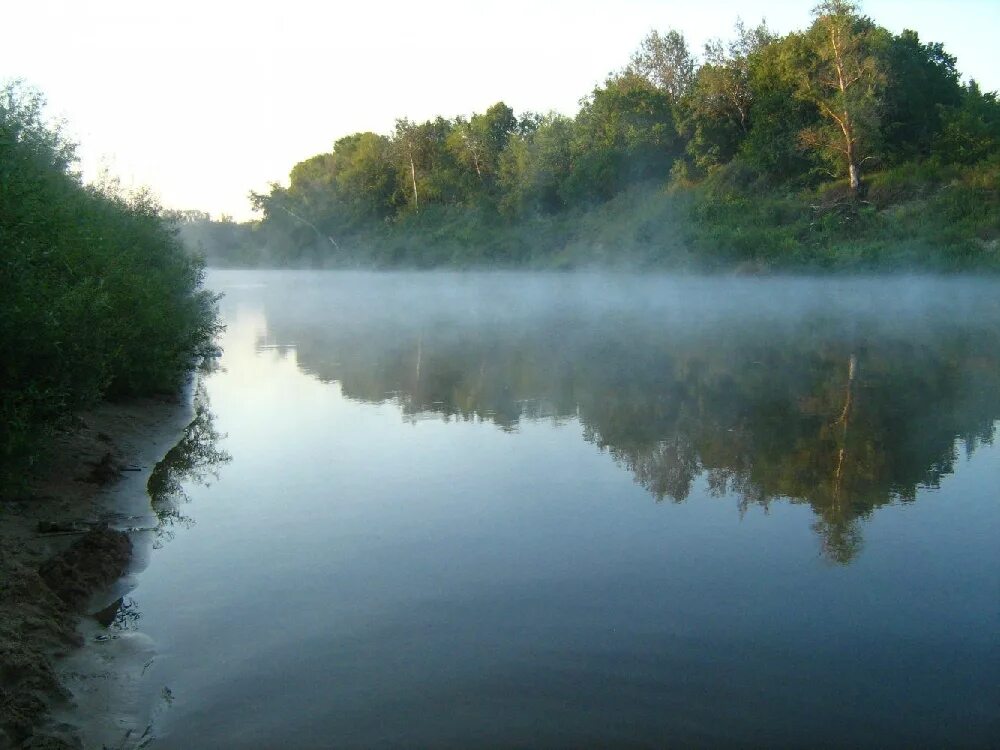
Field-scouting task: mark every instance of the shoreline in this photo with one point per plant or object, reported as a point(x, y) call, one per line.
point(79, 516)
point(909, 222)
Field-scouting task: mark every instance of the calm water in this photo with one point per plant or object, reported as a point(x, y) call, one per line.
point(441, 510)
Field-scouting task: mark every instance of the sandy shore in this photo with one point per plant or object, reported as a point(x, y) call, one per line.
point(65, 545)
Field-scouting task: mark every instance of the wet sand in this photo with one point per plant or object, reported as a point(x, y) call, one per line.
point(65, 544)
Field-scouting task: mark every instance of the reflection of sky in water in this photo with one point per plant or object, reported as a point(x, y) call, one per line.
point(362, 574)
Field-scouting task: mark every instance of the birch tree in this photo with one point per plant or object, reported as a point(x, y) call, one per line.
point(406, 140)
point(844, 77)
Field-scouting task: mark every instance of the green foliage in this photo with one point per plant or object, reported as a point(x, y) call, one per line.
point(970, 131)
point(666, 62)
point(916, 216)
point(478, 144)
point(923, 84)
point(99, 296)
point(624, 134)
point(534, 166)
point(778, 115)
point(841, 72)
point(716, 113)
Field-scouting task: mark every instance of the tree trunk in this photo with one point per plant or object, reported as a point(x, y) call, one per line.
point(420, 356)
point(845, 420)
point(413, 174)
point(854, 173)
point(312, 226)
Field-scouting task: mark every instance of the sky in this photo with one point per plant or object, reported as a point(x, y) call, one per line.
point(205, 100)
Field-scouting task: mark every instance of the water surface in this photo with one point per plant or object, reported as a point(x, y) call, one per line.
point(479, 510)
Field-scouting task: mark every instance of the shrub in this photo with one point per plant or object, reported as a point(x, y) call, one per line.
point(97, 295)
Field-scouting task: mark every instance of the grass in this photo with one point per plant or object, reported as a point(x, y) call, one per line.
point(916, 217)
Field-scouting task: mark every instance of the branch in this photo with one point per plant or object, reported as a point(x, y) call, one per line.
point(309, 224)
point(831, 114)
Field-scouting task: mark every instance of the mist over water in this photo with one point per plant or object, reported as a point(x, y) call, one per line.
point(574, 509)
point(846, 395)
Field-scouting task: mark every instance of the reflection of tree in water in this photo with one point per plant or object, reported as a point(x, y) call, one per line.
point(846, 426)
point(196, 458)
point(122, 614)
point(844, 414)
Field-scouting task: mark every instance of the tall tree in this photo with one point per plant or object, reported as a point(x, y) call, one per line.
point(844, 77)
point(727, 72)
point(625, 133)
point(665, 61)
point(970, 131)
point(478, 143)
point(365, 176)
point(716, 112)
point(427, 170)
point(779, 113)
point(535, 165)
point(922, 80)
point(409, 149)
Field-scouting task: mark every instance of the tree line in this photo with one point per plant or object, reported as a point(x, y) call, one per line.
point(832, 104)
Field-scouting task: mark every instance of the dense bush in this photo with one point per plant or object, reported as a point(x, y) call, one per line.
point(97, 295)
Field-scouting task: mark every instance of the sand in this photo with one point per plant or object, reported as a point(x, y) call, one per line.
point(65, 544)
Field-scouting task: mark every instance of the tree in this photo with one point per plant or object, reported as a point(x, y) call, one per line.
point(716, 110)
point(665, 61)
point(365, 176)
point(779, 113)
point(727, 79)
point(478, 143)
point(625, 133)
point(535, 164)
point(922, 81)
point(970, 132)
point(406, 139)
point(844, 78)
point(427, 170)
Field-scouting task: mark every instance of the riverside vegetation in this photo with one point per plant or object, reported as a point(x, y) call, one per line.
point(99, 298)
point(840, 146)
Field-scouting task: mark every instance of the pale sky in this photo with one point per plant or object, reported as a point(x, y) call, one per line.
point(205, 100)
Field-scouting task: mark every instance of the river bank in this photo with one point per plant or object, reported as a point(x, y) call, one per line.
point(917, 218)
point(65, 544)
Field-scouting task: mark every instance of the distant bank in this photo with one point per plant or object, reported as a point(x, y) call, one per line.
point(840, 146)
point(914, 218)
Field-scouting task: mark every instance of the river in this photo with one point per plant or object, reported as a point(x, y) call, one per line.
point(569, 510)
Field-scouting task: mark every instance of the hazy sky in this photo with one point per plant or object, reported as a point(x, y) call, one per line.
point(204, 100)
